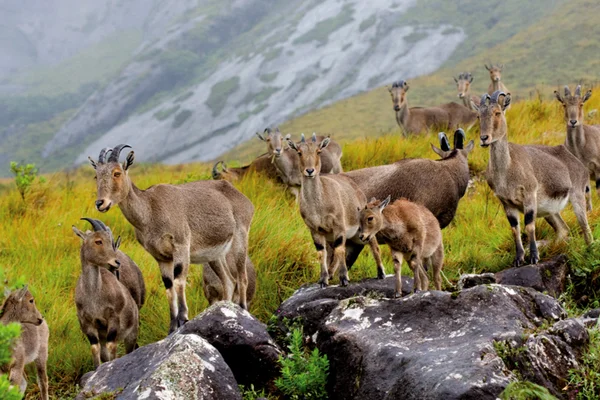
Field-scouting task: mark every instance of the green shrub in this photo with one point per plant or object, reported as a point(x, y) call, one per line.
point(24, 176)
point(526, 391)
point(219, 93)
point(161, 115)
point(303, 374)
point(584, 382)
point(251, 393)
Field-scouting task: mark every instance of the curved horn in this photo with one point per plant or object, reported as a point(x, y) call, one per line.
point(496, 95)
point(567, 91)
point(578, 90)
point(96, 224)
point(116, 152)
point(102, 156)
point(459, 138)
point(444, 144)
point(215, 170)
point(483, 99)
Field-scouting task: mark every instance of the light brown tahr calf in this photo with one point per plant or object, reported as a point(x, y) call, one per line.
point(463, 85)
point(32, 346)
point(412, 233)
point(534, 180)
point(495, 77)
point(329, 205)
point(414, 120)
point(287, 162)
point(582, 140)
point(106, 310)
point(195, 222)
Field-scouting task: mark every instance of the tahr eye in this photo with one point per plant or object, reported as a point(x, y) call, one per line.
point(370, 219)
point(99, 242)
point(117, 174)
point(498, 113)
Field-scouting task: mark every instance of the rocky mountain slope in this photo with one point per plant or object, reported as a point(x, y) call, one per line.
point(190, 80)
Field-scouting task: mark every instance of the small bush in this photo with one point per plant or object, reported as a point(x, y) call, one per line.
point(303, 374)
point(24, 176)
point(584, 382)
point(180, 118)
point(526, 391)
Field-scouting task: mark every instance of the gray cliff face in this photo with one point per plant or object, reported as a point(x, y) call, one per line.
point(208, 82)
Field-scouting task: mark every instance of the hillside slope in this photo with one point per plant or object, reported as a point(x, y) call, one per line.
point(557, 50)
point(198, 77)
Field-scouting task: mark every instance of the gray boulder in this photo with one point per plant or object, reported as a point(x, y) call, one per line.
point(547, 276)
point(313, 303)
point(241, 339)
point(469, 280)
point(178, 367)
point(430, 345)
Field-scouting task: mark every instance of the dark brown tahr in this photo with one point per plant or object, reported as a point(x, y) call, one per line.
point(535, 180)
point(437, 184)
point(420, 119)
point(581, 140)
point(195, 222)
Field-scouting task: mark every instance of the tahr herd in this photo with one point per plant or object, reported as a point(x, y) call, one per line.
point(404, 205)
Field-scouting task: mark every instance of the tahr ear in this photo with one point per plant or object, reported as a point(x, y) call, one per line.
point(559, 97)
point(437, 151)
point(455, 80)
point(587, 95)
point(475, 106)
point(324, 143)
point(261, 137)
point(506, 102)
point(92, 162)
point(292, 145)
point(389, 88)
point(78, 232)
point(470, 146)
point(117, 243)
point(129, 160)
point(385, 202)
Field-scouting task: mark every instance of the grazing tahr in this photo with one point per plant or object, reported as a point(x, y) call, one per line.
point(463, 85)
point(329, 205)
point(412, 233)
point(582, 140)
point(287, 162)
point(534, 180)
point(262, 164)
point(420, 119)
point(32, 346)
point(195, 222)
point(495, 77)
point(109, 293)
point(437, 184)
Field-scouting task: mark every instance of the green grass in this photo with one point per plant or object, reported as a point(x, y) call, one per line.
point(219, 94)
point(323, 29)
point(37, 244)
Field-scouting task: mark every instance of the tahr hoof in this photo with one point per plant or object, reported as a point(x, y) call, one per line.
point(323, 284)
point(397, 295)
point(344, 281)
point(181, 322)
point(380, 275)
point(518, 262)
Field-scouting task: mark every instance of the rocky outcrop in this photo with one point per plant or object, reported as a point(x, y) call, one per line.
point(548, 276)
point(178, 367)
point(241, 339)
point(434, 345)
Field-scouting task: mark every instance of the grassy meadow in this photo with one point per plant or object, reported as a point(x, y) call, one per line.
point(37, 244)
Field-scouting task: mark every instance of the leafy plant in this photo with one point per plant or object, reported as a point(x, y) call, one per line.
point(303, 373)
point(24, 176)
point(526, 391)
point(584, 382)
point(251, 393)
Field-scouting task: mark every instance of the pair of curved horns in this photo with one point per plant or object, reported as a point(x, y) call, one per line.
point(577, 91)
point(459, 138)
point(114, 153)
